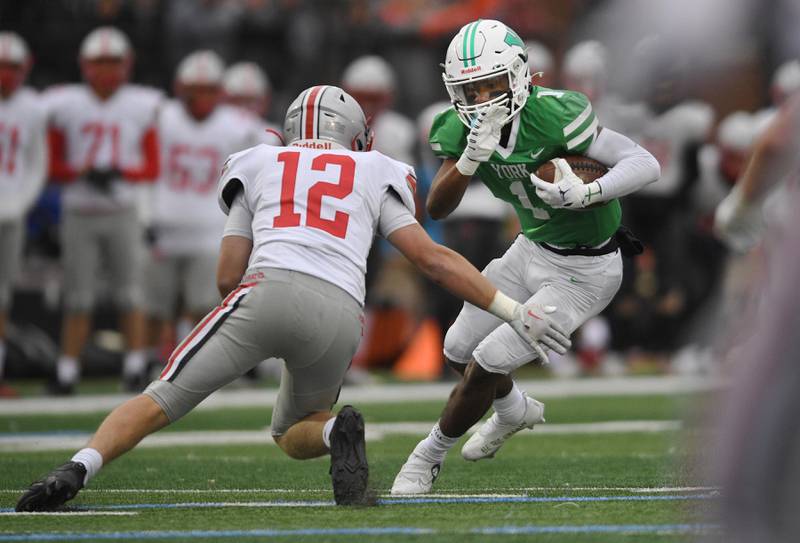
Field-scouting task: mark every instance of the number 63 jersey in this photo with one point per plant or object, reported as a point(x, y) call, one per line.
point(552, 123)
point(185, 209)
point(315, 210)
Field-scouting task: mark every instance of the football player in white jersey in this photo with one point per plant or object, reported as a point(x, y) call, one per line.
point(103, 142)
point(247, 86)
point(23, 165)
point(371, 81)
point(301, 220)
point(196, 133)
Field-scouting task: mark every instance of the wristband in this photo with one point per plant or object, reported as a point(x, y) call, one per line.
point(503, 307)
point(466, 166)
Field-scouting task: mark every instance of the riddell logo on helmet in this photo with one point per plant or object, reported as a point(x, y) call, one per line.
point(471, 70)
point(313, 144)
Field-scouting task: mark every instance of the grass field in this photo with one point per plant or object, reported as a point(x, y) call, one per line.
point(584, 476)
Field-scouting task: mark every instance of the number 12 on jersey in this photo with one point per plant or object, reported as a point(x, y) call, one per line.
point(288, 217)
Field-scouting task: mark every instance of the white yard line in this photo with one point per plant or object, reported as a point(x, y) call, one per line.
point(394, 393)
point(482, 492)
point(376, 431)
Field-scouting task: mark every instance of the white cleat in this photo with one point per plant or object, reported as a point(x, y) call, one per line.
point(492, 434)
point(416, 476)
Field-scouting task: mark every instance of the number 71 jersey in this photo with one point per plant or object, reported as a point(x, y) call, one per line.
point(315, 210)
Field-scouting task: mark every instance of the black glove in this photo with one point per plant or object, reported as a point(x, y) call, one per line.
point(100, 179)
point(629, 244)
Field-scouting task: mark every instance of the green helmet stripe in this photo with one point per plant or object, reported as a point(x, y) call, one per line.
point(472, 42)
point(464, 44)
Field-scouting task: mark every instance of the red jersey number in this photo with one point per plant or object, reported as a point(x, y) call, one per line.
point(340, 189)
point(192, 168)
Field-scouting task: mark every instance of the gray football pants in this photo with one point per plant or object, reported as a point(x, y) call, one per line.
point(314, 326)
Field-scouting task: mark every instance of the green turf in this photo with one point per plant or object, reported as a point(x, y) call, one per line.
point(558, 410)
point(530, 464)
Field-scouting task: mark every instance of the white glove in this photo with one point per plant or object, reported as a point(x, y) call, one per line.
point(483, 138)
point(532, 322)
point(567, 189)
point(738, 223)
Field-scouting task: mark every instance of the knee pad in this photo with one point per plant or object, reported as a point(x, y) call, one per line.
point(456, 346)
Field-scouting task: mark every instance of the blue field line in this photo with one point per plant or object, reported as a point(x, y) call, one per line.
point(392, 501)
point(200, 534)
point(492, 530)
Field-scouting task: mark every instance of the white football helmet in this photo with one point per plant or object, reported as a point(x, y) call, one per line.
point(482, 50)
point(737, 131)
point(246, 79)
point(326, 114)
point(786, 80)
point(105, 41)
point(203, 67)
point(13, 49)
point(586, 60)
point(370, 73)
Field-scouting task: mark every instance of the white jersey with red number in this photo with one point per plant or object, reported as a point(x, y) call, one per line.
point(315, 210)
point(185, 210)
point(102, 134)
point(23, 152)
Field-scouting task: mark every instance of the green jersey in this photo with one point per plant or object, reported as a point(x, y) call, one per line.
point(553, 123)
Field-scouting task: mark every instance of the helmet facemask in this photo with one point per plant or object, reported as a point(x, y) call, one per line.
point(496, 58)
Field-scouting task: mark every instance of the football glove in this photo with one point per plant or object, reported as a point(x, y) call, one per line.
point(567, 189)
point(738, 223)
point(534, 323)
point(483, 138)
point(101, 179)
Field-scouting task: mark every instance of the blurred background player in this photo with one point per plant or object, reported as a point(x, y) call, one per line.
point(247, 86)
point(785, 83)
point(196, 133)
point(103, 140)
point(23, 165)
point(655, 302)
point(371, 81)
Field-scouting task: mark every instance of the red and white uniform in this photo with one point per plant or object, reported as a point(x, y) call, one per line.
point(23, 153)
point(316, 210)
point(87, 132)
point(185, 209)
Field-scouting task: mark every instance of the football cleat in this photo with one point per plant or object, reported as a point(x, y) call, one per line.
point(54, 489)
point(349, 468)
point(492, 434)
point(416, 476)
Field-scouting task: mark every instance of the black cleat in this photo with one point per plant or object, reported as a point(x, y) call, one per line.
point(55, 488)
point(349, 468)
point(57, 388)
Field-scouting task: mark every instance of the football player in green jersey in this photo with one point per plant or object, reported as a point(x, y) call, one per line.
point(566, 263)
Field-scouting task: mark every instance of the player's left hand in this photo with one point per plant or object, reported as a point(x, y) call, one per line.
point(567, 189)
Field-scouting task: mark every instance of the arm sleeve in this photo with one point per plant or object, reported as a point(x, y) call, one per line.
point(394, 214)
point(631, 166)
point(148, 170)
point(240, 219)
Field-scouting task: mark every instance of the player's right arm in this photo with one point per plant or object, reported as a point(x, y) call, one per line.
point(453, 177)
point(447, 190)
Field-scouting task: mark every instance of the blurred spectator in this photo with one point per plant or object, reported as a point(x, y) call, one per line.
point(23, 165)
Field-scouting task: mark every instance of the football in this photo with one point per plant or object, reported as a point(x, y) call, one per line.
point(584, 167)
point(588, 169)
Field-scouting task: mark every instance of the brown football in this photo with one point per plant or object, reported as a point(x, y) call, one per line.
point(588, 169)
point(584, 167)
